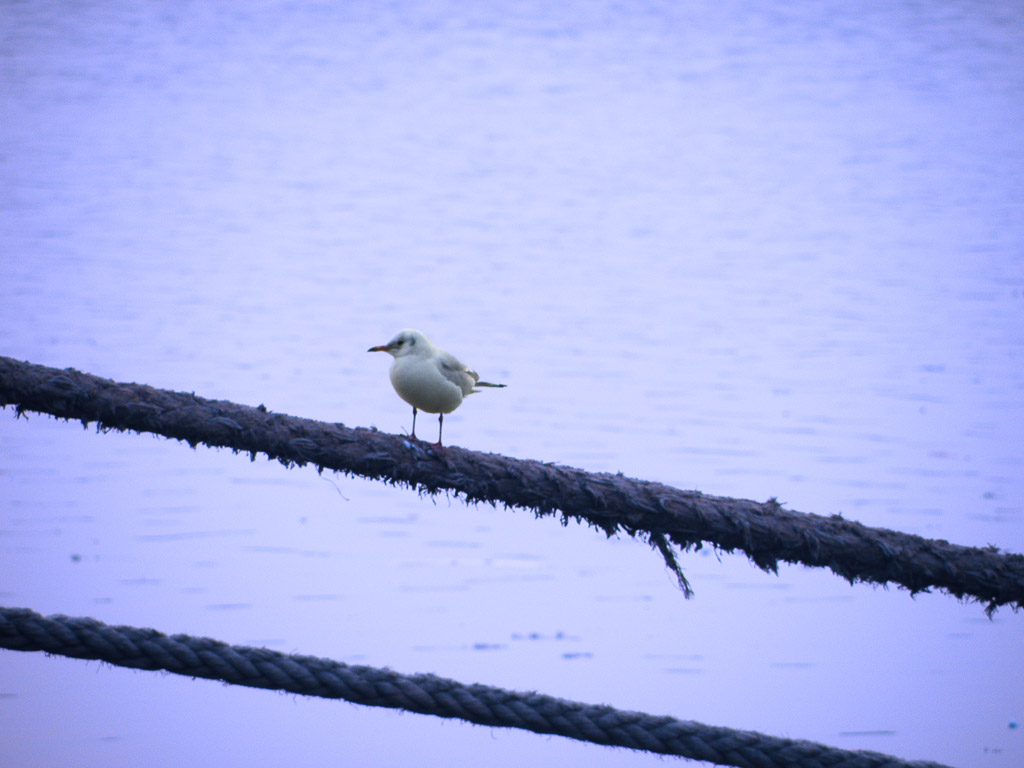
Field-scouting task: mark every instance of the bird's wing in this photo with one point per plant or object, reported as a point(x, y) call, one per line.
point(457, 373)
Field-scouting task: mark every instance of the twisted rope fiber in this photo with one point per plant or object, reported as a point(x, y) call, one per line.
point(659, 514)
point(84, 638)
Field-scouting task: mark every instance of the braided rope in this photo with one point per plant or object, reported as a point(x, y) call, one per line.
point(766, 532)
point(85, 638)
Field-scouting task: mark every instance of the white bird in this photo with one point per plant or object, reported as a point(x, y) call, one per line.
point(428, 378)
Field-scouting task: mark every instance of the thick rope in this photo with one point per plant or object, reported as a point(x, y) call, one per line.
point(766, 532)
point(85, 638)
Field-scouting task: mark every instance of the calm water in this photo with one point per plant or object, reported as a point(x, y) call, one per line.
point(754, 251)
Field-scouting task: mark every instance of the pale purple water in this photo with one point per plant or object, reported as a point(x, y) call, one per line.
point(753, 251)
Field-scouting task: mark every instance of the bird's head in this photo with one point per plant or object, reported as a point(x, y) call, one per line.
point(407, 342)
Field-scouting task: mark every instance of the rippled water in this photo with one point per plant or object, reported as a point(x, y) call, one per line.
point(753, 251)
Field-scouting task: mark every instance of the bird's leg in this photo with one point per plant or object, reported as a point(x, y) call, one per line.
point(414, 423)
point(440, 428)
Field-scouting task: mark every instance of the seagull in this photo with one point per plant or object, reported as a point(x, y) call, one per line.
point(428, 378)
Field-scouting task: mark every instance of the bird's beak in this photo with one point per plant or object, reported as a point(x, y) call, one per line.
point(381, 348)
